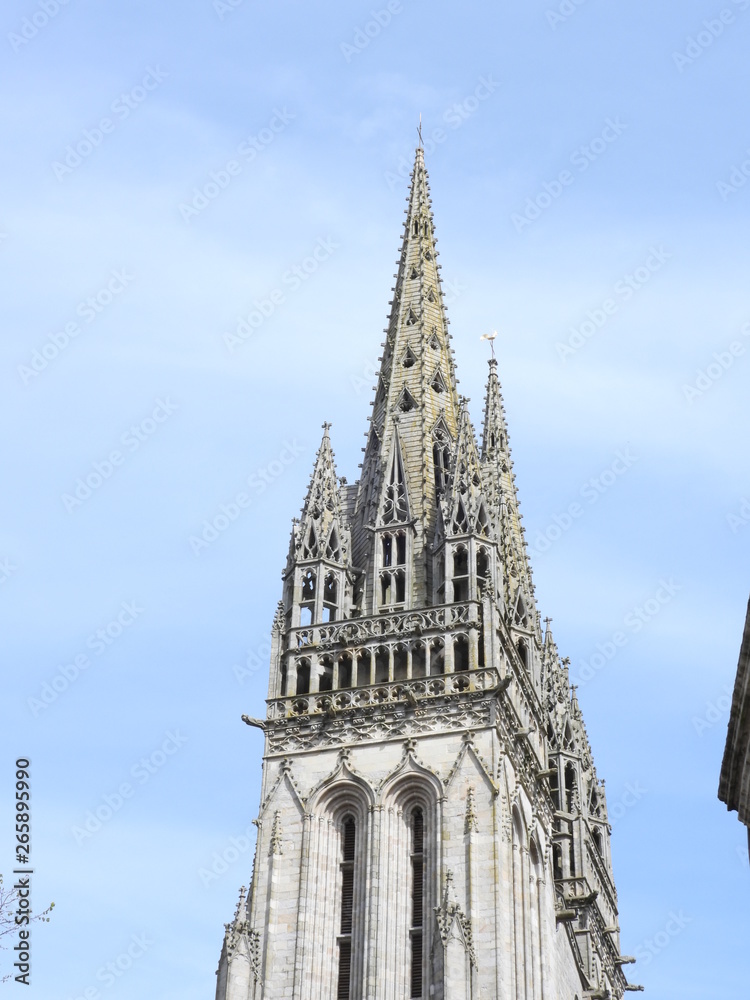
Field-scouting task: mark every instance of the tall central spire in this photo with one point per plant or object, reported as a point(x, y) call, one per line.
point(416, 402)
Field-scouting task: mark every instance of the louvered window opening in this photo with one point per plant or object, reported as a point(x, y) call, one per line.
point(417, 902)
point(349, 834)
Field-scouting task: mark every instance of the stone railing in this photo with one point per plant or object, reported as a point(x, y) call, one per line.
point(409, 693)
point(356, 631)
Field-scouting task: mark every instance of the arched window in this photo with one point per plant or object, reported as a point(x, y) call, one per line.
point(557, 865)
point(483, 564)
point(416, 932)
point(460, 574)
point(401, 548)
point(554, 787)
point(461, 653)
point(345, 671)
point(325, 678)
point(418, 660)
point(381, 665)
point(330, 598)
point(400, 661)
point(303, 677)
point(387, 550)
point(307, 605)
point(363, 668)
point(596, 836)
point(437, 658)
point(523, 652)
point(346, 881)
point(400, 580)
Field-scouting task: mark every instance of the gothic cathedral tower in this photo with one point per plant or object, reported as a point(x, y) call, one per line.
point(431, 823)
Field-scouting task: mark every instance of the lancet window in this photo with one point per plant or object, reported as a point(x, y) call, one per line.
point(416, 932)
point(346, 888)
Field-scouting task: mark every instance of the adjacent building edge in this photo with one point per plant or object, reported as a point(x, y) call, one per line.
point(734, 786)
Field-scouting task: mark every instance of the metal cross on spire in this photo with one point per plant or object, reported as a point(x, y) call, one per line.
point(419, 131)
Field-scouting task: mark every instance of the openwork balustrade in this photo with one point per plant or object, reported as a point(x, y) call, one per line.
point(410, 693)
point(368, 652)
point(353, 631)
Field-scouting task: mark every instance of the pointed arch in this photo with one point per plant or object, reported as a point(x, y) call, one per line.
point(406, 402)
point(411, 797)
point(438, 382)
point(460, 519)
point(310, 548)
point(483, 521)
point(520, 613)
point(395, 505)
point(333, 546)
point(409, 359)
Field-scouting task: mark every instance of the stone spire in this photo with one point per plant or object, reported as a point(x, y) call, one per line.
point(416, 402)
point(498, 465)
point(317, 575)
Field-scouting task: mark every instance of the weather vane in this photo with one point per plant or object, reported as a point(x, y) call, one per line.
point(491, 338)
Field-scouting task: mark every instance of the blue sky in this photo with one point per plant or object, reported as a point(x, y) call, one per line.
point(575, 153)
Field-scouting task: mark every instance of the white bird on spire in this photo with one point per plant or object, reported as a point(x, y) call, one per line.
point(491, 338)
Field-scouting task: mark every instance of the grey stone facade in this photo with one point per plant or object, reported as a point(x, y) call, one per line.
point(431, 823)
point(734, 787)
